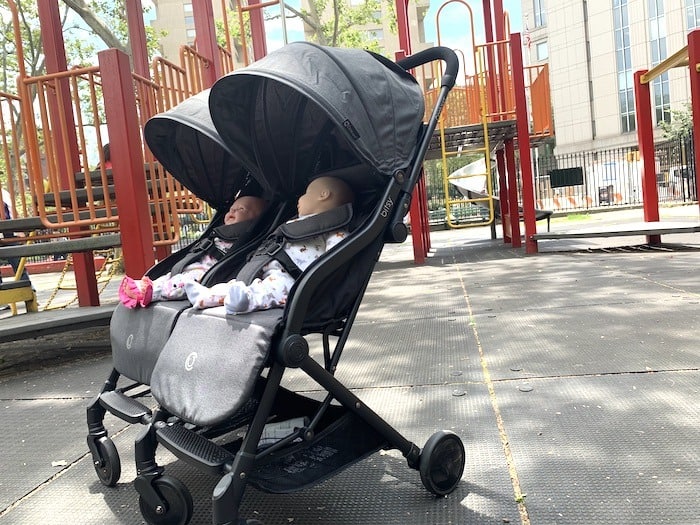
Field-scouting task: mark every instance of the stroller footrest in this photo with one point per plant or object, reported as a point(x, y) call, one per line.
point(194, 448)
point(124, 407)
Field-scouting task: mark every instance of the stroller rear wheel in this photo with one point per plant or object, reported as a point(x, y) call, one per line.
point(442, 462)
point(108, 466)
point(177, 503)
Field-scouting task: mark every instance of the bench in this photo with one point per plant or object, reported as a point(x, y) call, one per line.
point(55, 321)
point(12, 292)
point(622, 230)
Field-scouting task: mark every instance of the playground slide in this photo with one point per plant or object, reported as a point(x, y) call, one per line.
point(473, 186)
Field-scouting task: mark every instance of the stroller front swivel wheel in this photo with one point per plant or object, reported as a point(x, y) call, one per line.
point(177, 503)
point(108, 465)
point(442, 462)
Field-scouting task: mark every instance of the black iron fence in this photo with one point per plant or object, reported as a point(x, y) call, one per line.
point(613, 177)
point(588, 180)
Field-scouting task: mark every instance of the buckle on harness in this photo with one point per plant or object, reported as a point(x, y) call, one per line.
point(273, 247)
point(203, 245)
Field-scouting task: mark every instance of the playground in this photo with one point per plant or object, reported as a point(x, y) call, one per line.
point(570, 384)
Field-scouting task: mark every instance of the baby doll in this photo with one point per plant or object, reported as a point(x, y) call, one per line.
point(273, 281)
point(171, 286)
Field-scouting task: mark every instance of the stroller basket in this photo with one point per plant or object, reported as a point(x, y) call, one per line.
point(301, 112)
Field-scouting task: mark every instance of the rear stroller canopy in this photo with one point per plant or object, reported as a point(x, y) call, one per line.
point(185, 142)
point(305, 106)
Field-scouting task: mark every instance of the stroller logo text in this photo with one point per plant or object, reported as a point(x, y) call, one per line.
point(189, 362)
point(129, 341)
point(387, 208)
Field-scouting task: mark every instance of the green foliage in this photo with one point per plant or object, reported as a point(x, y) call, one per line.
point(31, 45)
point(336, 22)
point(681, 125)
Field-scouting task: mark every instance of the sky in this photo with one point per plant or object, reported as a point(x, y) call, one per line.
point(455, 22)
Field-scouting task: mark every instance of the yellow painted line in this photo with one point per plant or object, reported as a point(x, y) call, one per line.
point(505, 443)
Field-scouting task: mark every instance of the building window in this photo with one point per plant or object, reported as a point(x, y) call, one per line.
point(541, 50)
point(657, 43)
point(189, 21)
point(692, 8)
point(375, 34)
point(190, 35)
point(539, 12)
point(187, 8)
point(623, 55)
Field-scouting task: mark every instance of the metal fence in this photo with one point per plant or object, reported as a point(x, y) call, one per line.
point(592, 179)
point(596, 179)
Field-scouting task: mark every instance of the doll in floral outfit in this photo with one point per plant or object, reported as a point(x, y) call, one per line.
point(271, 287)
point(171, 287)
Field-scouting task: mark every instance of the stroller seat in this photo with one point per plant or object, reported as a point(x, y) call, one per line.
point(135, 345)
point(208, 367)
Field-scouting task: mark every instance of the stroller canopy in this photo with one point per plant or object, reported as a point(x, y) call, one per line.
point(185, 142)
point(305, 108)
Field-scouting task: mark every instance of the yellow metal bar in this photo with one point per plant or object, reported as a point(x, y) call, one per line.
point(677, 59)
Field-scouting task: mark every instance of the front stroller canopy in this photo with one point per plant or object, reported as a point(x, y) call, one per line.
point(304, 108)
point(185, 142)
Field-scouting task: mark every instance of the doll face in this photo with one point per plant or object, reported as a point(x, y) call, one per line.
point(244, 209)
point(309, 202)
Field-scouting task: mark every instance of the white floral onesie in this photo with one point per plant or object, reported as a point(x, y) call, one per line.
point(272, 287)
point(170, 287)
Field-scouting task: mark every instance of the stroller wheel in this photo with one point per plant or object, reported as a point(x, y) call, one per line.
point(177, 508)
point(442, 462)
point(108, 467)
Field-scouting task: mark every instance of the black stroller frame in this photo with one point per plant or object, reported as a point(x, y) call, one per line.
point(240, 460)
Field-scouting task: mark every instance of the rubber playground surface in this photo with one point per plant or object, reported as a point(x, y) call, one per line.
point(572, 377)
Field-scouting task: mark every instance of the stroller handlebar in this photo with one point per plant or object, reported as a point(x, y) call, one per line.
point(431, 54)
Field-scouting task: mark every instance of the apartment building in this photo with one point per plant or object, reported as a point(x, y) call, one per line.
point(593, 48)
point(175, 17)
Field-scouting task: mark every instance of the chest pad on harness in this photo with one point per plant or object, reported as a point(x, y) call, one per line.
point(295, 231)
point(231, 233)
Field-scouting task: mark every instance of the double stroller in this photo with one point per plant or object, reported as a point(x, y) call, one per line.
point(302, 112)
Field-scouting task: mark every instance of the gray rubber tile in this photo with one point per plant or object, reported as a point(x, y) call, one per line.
point(80, 378)
point(592, 340)
point(40, 439)
point(607, 449)
point(426, 352)
point(414, 293)
point(380, 489)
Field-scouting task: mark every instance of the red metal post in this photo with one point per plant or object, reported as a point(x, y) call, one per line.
point(693, 61)
point(127, 162)
point(502, 192)
point(207, 46)
point(257, 31)
point(66, 146)
point(645, 136)
point(137, 38)
point(513, 208)
point(418, 213)
point(523, 127)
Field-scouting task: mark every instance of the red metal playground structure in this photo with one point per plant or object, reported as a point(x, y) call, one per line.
point(58, 197)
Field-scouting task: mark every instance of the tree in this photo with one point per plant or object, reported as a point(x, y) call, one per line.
point(335, 22)
point(681, 125)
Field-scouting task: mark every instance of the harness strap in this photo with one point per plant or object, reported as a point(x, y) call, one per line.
point(206, 246)
point(272, 249)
